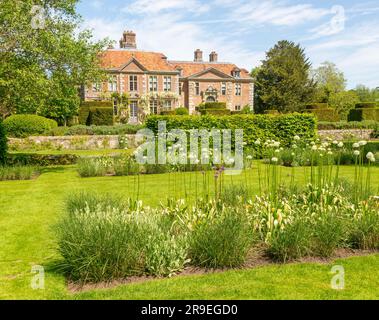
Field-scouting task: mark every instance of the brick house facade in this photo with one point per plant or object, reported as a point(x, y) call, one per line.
point(154, 83)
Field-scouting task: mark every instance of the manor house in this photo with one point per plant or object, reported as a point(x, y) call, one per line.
point(169, 84)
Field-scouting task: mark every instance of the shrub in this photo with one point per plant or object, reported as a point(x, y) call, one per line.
point(23, 125)
point(43, 160)
point(92, 167)
point(3, 144)
point(219, 112)
point(366, 105)
point(327, 235)
point(313, 106)
point(281, 128)
point(234, 195)
point(125, 166)
point(364, 229)
point(79, 201)
point(328, 114)
point(17, 172)
point(290, 243)
point(368, 124)
point(212, 105)
point(223, 241)
point(100, 117)
point(88, 106)
point(272, 112)
point(181, 111)
point(105, 242)
point(364, 114)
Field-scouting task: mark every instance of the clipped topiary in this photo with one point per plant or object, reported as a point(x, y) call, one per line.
point(24, 125)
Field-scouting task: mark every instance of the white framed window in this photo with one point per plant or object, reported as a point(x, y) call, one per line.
point(197, 88)
point(153, 83)
point(133, 83)
point(166, 84)
point(237, 108)
point(223, 88)
point(237, 74)
point(153, 107)
point(167, 104)
point(238, 89)
point(112, 84)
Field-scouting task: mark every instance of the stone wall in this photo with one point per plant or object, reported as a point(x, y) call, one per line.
point(72, 142)
point(343, 134)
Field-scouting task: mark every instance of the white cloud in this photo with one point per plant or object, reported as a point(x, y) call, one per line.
point(355, 51)
point(97, 4)
point(277, 13)
point(158, 6)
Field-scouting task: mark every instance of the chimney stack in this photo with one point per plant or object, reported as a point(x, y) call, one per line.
point(128, 40)
point(213, 57)
point(198, 56)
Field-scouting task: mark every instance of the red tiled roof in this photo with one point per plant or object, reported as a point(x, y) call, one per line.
point(191, 68)
point(152, 61)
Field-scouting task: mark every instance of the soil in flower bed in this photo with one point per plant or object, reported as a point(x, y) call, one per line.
point(254, 260)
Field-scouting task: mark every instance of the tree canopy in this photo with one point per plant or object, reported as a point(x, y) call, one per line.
point(45, 58)
point(330, 81)
point(283, 80)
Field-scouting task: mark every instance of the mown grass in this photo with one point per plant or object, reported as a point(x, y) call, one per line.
point(29, 210)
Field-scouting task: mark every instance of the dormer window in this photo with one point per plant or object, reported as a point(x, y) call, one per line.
point(236, 73)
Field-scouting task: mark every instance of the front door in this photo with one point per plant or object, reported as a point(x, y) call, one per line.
point(133, 112)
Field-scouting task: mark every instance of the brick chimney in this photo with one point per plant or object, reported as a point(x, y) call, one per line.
point(198, 56)
point(213, 57)
point(128, 40)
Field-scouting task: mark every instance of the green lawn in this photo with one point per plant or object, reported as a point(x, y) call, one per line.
point(29, 210)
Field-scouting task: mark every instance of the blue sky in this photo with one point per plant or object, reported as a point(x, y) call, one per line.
point(241, 31)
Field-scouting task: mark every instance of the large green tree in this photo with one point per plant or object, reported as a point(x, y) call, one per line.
point(343, 102)
point(44, 58)
point(366, 94)
point(330, 81)
point(283, 80)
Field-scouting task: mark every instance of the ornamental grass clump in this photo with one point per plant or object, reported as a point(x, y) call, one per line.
point(223, 241)
point(103, 241)
point(17, 172)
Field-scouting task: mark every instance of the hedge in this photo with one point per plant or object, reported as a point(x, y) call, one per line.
point(215, 111)
point(81, 130)
point(369, 124)
point(24, 125)
point(281, 127)
point(366, 105)
point(328, 114)
point(100, 117)
point(274, 112)
point(212, 105)
point(87, 106)
point(3, 144)
point(318, 105)
point(364, 114)
point(43, 160)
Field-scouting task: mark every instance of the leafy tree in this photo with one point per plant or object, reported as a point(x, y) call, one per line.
point(283, 82)
point(44, 58)
point(343, 102)
point(3, 144)
point(366, 94)
point(329, 81)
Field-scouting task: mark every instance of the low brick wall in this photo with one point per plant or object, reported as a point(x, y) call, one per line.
point(363, 134)
point(71, 142)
